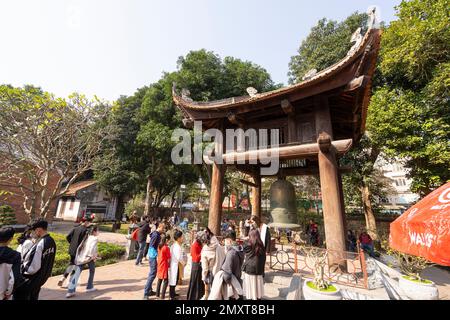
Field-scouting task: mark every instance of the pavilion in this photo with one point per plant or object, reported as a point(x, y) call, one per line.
point(319, 120)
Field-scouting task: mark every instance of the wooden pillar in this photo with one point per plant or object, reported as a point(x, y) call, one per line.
point(341, 194)
point(329, 182)
point(292, 123)
point(215, 199)
point(256, 196)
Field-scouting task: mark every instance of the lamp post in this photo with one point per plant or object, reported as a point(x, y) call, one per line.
point(182, 188)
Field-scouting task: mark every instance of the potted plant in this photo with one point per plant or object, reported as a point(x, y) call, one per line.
point(411, 282)
point(319, 288)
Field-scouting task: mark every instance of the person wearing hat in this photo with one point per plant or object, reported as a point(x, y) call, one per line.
point(37, 264)
point(10, 276)
point(75, 238)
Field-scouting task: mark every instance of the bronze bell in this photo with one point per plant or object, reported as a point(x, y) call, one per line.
point(283, 205)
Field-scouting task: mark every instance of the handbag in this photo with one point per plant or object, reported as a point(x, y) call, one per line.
point(135, 234)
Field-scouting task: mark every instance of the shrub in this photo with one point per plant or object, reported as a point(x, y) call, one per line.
point(7, 216)
point(110, 253)
point(135, 204)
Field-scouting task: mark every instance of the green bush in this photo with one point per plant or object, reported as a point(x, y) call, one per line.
point(110, 253)
point(137, 203)
point(7, 216)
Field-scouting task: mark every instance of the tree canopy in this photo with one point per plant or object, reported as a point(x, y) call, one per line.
point(327, 43)
point(409, 115)
point(140, 149)
point(46, 143)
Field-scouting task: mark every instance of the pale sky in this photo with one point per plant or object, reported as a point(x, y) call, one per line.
point(112, 47)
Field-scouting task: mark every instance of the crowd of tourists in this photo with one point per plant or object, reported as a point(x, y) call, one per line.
point(233, 269)
point(227, 267)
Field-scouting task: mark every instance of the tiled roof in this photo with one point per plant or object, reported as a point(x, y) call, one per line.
point(371, 38)
point(74, 188)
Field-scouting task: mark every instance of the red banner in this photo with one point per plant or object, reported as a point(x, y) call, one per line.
point(424, 230)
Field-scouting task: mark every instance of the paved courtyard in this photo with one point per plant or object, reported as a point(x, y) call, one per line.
point(120, 281)
point(109, 237)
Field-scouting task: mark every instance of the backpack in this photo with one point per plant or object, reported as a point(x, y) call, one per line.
point(135, 234)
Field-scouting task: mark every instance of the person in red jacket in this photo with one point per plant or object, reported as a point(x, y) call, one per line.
point(163, 263)
point(367, 243)
point(196, 288)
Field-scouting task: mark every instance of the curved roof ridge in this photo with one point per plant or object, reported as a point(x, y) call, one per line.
point(236, 101)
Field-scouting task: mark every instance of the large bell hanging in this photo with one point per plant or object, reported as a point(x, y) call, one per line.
point(283, 205)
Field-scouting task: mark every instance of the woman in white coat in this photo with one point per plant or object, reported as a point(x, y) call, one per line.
point(177, 261)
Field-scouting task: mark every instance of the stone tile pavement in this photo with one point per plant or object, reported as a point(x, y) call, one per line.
point(120, 281)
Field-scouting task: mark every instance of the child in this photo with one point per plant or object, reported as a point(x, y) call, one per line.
point(177, 260)
point(163, 267)
point(87, 254)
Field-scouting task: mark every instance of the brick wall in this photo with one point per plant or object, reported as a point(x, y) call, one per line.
point(16, 198)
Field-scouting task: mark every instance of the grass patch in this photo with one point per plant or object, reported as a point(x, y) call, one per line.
point(330, 288)
point(107, 227)
point(418, 281)
point(110, 253)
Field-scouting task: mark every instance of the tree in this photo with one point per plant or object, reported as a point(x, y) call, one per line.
point(409, 114)
point(139, 151)
point(365, 185)
point(46, 142)
point(327, 43)
point(119, 169)
point(208, 77)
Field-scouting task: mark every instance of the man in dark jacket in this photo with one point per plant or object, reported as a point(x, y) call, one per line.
point(155, 239)
point(37, 264)
point(144, 231)
point(234, 258)
point(10, 276)
point(75, 237)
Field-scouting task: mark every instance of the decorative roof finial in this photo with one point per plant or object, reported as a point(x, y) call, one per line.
point(357, 39)
point(311, 73)
point(186, 95)
point(252, 92)
point(374, 17)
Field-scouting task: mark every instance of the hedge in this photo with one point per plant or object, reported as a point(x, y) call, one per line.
point(110, 253)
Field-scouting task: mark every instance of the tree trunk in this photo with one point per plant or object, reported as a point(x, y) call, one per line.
point(120, 208)
point(148, 197)
point(371, 224)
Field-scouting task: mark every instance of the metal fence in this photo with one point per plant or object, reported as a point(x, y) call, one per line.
point(348, 268)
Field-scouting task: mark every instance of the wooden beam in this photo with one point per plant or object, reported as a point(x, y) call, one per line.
point(236, 120)
point(289, 152)
point(356, 83)
point(313, 171)
point(251, 184)
point(287, 107)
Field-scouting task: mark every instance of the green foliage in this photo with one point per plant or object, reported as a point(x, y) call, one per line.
point(327, 43)
point(417, 43)
point(362, 160)
point(209, 78)
point(142, 124)
point(7, 216)
point(135, 204)
point(45, 139)
point(409, 115)
point(110, 253)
